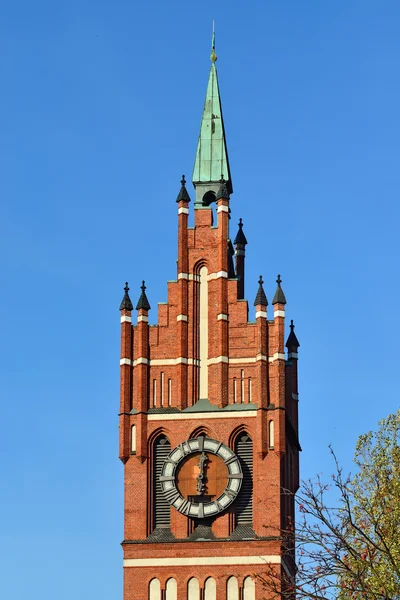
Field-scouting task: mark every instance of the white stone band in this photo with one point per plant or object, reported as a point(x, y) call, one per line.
point(126, 361)
point(143, 318)
point(279, 313)
point(277, 356)
point(126, 319)
point(261, 313)
point(182, 318)
point(189, 276)
point(203, 560)
point(223, 208)
point(164, 362)
point(222, 317)
point(217, 275)
point(218, 359)
point(183, 211)
point(240, 253)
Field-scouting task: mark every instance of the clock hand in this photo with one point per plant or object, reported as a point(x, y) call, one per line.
point(201, 477)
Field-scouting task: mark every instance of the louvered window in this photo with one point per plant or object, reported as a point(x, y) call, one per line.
point(244, 502)
point(161, 514)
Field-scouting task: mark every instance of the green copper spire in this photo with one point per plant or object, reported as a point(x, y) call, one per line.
point(211, 162)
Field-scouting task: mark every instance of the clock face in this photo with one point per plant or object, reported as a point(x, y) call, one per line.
point(201, 477)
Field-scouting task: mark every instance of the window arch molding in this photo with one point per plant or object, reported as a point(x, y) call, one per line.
point(201, 430)
point(202, 262)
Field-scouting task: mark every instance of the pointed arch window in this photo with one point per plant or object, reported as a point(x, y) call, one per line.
point(244, 502)
point(161, 507)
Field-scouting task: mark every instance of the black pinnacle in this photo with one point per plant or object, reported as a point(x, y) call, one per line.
point(143, 302)
point(126, 303)
point(279, 297)
point(292, 341)
point(183, 194)
point(261, 298)
point(222, 193)
point(240, 239)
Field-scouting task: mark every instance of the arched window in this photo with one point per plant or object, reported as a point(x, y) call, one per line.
point(244, 502)
point(249, 589)
point(133, 439)
point(193, 589)
point(210, 589)
point(161, 507)
point(271, 434)
point(232, 589)
point(208, 198)
point(171, 590)
point(154, 590)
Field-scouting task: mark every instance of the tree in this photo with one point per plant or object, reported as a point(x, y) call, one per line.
point(348, 549)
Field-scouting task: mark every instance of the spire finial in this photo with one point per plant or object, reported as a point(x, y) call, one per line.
point(279, 297)
point(143, 301)
point(213, 56)
point(261, 298)
point(240, 237)
point(292, 343)
point(183, 193)
point(126, 303)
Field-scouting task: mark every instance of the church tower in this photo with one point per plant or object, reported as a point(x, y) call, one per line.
point(208, 414)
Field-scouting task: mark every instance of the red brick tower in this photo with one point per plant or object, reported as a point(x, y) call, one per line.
point(208, 417)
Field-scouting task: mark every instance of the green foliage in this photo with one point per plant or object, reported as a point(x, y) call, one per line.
point(348, 548)
point(371, 515)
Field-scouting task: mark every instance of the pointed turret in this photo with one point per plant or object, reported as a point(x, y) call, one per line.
point(126, 303)
point(292, 343)
point(183, 194)
point(279, 297)
point(212, 155)
point(261, 298)
point(240, 238)
point(240, 252)
point(143, 302)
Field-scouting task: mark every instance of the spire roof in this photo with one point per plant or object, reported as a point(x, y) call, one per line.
point(240, 238)
point(143, 302)
point(292, 341)
point(212, 155)
point(279, 297)
point(261, 298)
point(183, 194)
point(126, 303)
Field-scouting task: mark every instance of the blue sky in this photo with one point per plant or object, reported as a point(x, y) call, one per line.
point(100, 111)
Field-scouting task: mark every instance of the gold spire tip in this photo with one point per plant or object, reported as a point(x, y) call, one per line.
point(213, 56)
